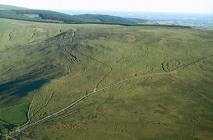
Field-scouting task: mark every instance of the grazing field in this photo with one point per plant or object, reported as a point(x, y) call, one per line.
point(105, 82)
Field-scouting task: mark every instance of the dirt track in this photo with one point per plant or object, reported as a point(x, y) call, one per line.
point(19, 130)
point(120, 82)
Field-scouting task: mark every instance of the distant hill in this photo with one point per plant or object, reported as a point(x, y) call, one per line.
point(10, 7)
point(13, 12)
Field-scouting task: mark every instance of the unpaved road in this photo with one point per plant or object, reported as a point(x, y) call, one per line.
point(27, 126)
point(32, 124)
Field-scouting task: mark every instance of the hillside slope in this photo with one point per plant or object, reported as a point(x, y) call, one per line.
point(10, 7)
point(105, 82)
point(51, 16)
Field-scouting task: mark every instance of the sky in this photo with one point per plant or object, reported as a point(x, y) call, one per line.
point(175, 6)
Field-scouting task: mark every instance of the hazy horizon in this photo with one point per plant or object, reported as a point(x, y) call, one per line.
point(153, 6)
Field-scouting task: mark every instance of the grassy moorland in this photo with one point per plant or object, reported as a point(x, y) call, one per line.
point(105, 82)
point(19, 13)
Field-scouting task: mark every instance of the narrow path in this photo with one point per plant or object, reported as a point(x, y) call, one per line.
point(103, 63)
point(73, 104)
point(19, 130)
point(12, 138)
point(197, 60)
point(83, 54)
point(39, 109)
point(7, 137)
point(28, 123)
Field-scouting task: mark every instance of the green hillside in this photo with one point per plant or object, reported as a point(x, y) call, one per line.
point(108, 82)
point(12, 12)
point(10, 7)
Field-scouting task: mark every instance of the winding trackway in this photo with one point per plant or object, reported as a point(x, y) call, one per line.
point(19, 130)
point(7, 136)
point(27, 126)
point(103, 63)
